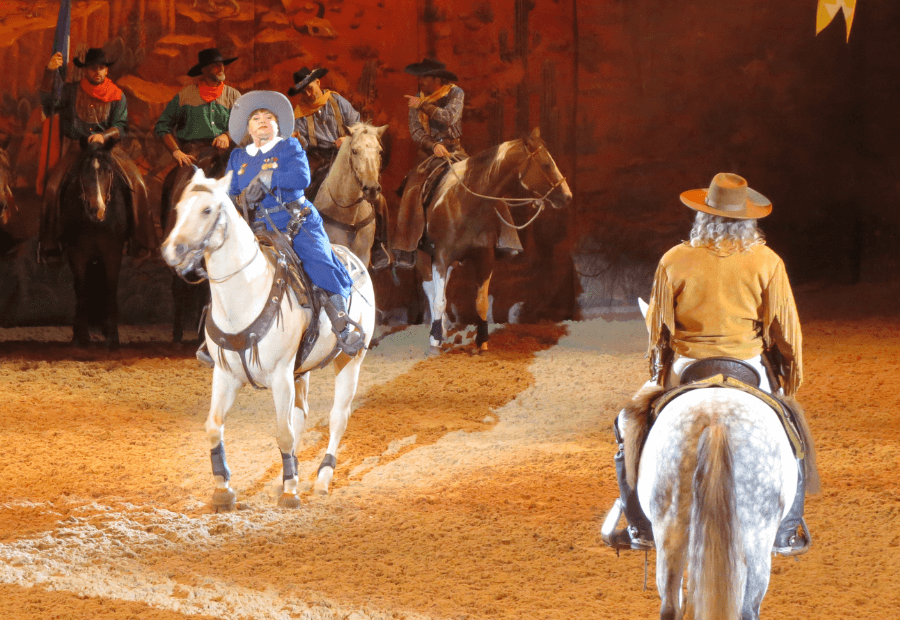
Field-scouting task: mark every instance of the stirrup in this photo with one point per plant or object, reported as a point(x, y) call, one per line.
point(204, 357)
point(626, 538)
point(379, 258)
point(798, 544)
point(351, 342)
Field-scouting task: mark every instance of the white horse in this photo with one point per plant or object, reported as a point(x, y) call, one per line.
point(716, 476)
point(351, 193)
point(241, 284)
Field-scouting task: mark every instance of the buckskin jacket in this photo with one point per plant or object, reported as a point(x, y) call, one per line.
point(707, 304)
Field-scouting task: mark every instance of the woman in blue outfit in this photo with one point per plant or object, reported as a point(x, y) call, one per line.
point(268, 177)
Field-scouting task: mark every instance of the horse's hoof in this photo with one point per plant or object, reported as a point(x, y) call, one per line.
point(289, 501)
point(224, 500)
point(483, 348)
point(433, 351)
point(321, 488)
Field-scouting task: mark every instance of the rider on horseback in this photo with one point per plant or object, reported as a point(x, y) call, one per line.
point(435, 124)
point(321, 126)
point(197, 117)
point(267, 179)
point(722, 294)
point(93, 112)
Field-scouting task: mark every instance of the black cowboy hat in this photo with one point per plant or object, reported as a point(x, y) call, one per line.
point(208, 57)
point(429, 67)
point(94, 56)
point(304, 77)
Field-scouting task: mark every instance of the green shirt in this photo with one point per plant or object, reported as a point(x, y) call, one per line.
point(188, 117)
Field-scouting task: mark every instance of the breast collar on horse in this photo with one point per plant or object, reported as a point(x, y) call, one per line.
point(247, 339)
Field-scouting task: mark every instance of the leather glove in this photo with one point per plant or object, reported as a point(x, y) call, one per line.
point(255, 192)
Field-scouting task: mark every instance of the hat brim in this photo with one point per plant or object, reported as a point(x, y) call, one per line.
point(444, 74)
point(758, 206)
point(299, 86)
point(254, 100)
point(197, 70)
point(82, 65)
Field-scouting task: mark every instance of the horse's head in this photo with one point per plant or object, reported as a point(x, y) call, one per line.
point(7, 202)
point(200, 225)
point(364, 151)
point(539, 174)
point(95, 180)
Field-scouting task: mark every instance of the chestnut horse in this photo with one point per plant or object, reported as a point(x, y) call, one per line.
point(464, 225)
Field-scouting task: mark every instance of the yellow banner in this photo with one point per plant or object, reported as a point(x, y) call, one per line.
point(829, 8)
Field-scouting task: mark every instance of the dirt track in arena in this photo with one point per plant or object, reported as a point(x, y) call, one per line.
point(467, 486)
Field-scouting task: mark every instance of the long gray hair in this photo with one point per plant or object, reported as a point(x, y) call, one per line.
point(725, 234)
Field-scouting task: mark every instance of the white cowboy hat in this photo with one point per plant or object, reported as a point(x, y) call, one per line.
point(271, 100)
point(728, 196)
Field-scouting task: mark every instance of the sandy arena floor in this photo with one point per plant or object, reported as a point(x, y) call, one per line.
point(467, 486)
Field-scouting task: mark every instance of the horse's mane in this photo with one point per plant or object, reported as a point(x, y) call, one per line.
point(482, 167)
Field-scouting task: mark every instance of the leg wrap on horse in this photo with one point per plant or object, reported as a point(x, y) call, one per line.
point(289, 463)
point(437, 330)
point(219, 466)
point(328, 461)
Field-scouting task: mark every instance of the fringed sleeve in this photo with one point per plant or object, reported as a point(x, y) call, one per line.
point(660, 320)
point(781, 328)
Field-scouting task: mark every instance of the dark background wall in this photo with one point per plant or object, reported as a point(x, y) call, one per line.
point(638, 101)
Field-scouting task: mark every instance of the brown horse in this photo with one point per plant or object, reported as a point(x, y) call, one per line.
point(188, 299)
point(464, 224)
point(351, 193)
point(7, 203)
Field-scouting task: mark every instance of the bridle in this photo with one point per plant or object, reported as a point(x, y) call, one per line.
point(359, 184)
point(195, 255)
point(109, 187)
point(529, 160)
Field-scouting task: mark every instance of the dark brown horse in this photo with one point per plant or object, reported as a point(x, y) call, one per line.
point(464, 224)
point(95, 221)
point(7, 203)
point(188, 300)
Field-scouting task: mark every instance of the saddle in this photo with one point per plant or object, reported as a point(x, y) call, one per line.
point(646, 406)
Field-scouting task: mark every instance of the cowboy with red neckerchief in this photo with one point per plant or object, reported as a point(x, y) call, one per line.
point(92, 112)
point(197, 117)
point(722, 297)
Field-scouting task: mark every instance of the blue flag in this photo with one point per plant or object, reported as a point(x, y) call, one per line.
point(61, 38)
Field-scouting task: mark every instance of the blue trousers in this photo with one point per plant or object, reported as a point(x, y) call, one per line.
point(314, 249)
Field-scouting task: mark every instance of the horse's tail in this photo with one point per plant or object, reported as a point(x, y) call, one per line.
point(714, 580)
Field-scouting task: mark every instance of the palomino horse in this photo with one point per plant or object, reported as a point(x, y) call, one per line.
point(94, 222)
point(188, 297)
point(716, 476)
point(242, 282)
point(464, 225)
point(351, 192)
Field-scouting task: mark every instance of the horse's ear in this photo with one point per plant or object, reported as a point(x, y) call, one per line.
point(224, 183)
point(536, 132)
point(355, 128)
point(381, 130)
point(198, 175)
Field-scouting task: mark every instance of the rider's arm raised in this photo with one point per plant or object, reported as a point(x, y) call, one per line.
point(451, 113)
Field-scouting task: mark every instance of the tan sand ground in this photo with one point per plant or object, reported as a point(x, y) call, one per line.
point(467, 486)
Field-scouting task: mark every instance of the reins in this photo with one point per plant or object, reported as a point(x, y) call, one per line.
point(514, 202)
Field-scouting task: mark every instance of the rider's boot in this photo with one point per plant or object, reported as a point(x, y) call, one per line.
point(351, 341)
point(793, 537)
point(204, 357)
point(379, 258)
point(639, 533)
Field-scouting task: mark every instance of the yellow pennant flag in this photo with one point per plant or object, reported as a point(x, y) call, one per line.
point(829, 8)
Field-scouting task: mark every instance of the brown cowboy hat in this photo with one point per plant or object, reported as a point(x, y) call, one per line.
point(94, 56)
point(429, 67)
point(208, 57)
point(304, 78)
point(728, 196)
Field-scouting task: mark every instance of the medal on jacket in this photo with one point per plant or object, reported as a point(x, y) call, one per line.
point(270, 163)
point(241, 171)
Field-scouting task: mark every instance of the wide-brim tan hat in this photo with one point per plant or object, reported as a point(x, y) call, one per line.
point(247, 104)
point(728, 196)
